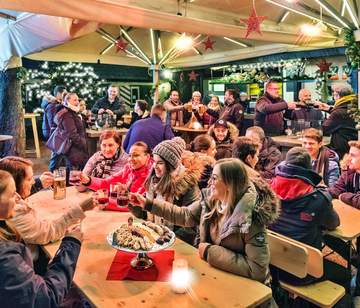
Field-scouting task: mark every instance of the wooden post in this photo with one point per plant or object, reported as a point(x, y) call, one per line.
point(155, 70)
point(11, 110)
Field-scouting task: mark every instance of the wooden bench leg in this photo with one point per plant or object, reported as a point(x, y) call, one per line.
point(36, 137)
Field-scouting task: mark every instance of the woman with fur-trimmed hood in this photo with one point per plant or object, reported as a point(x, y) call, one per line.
point(170, 181)
point(232, 215)
point(224, 134)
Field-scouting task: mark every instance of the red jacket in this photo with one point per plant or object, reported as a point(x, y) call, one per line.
point(134, 179)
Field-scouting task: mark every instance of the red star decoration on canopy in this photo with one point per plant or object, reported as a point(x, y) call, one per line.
point(253, 22)
point(324, 66)
point(193, 76)
point(209, 43)
point(120, 45)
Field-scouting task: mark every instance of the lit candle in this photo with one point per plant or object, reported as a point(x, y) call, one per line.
point(180, 279)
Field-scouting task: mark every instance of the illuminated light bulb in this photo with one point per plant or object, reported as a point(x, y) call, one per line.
point(167, 74)
point(310, 30)
point(184, 42)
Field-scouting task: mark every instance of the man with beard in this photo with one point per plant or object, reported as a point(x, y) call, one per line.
point(305, 110)
point(175, 110)
point(232, 112)
point(269, 110)
point(110, 104)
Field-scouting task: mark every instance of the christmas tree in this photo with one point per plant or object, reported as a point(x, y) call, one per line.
point(76, 77)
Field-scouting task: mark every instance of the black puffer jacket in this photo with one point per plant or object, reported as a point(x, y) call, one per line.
point(20, 287)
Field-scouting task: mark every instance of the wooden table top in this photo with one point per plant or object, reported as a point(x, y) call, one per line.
point(95, 133)
point(210, 287)
point(349, 228)
point(292, 141)
point(191, 130)
point(5, 137)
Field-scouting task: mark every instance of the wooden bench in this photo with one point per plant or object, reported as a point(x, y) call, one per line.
point(301, 260)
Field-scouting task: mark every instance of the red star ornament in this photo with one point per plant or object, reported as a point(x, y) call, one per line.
point(253, 22)
point(120, 45)
point(209, 44)
point(323, 66)
point(193, 76)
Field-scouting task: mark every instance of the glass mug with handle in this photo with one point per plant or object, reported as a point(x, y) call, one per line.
point(123, 196)
point(102, 197)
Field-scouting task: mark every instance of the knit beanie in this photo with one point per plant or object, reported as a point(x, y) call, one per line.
point(299, 157)
point(171, 150)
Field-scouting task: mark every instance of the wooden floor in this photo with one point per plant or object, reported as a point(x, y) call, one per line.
point(40, 164)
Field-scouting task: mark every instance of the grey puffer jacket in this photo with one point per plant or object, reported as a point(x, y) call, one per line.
point(243, 248)
point(20, 287)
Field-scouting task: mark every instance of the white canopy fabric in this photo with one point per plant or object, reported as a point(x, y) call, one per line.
point(30, 33)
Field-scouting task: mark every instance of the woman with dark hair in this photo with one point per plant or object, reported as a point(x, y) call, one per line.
point(110, 159)
point(33, 228)
point(140, 112)
point(169, 180)
point(247, 150)
point(204, 148)
point(232, 215)
point(20, 286)
point(214, 105)
point(133, 175)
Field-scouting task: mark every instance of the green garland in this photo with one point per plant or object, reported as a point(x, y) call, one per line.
point(352, 48)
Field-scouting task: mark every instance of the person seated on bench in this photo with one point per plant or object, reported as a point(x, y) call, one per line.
point(306, 210)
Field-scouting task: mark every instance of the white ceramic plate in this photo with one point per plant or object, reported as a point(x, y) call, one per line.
point(156, 247)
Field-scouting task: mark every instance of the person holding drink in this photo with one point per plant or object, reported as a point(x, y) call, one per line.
point(169, 180)
point(32, 228)
point(20, 284)
point(232, 215)
point(133, 175)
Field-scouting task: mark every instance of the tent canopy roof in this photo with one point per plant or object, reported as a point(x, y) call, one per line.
point(67, 30)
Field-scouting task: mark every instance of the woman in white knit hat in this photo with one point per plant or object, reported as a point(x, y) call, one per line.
point(170, 181)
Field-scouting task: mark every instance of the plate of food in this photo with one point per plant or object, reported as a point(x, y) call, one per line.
point(141, 237)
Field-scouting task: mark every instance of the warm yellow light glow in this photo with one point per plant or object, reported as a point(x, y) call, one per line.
point(180, 280)
point(184, 42)
point(310, 30)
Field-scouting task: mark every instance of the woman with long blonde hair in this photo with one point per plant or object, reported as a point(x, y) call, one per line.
point(232, 215)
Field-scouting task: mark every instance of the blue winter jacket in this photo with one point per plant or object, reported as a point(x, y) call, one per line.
point(152, 131)
point(21, 287)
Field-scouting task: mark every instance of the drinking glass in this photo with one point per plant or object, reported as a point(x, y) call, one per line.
point(122, 198)
point(102, 197)
point(74, 178)
point(114, 188)
point(60, 183)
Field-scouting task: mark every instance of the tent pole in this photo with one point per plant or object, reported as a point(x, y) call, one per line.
point(155, 71)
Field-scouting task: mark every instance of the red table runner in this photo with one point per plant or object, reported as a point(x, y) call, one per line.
point(121, 269)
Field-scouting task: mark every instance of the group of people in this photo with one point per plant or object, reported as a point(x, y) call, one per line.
point(219, 193)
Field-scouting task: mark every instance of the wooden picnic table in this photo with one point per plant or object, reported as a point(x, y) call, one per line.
point(287, 142)
point(210, 288)
point(189, 134)
point(349, 228)
point(93, 135)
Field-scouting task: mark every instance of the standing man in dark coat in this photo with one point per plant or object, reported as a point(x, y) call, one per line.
point(232, 112)
point(110, 104)
point(269, 110)
point(152, 130)
point(340, 125)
